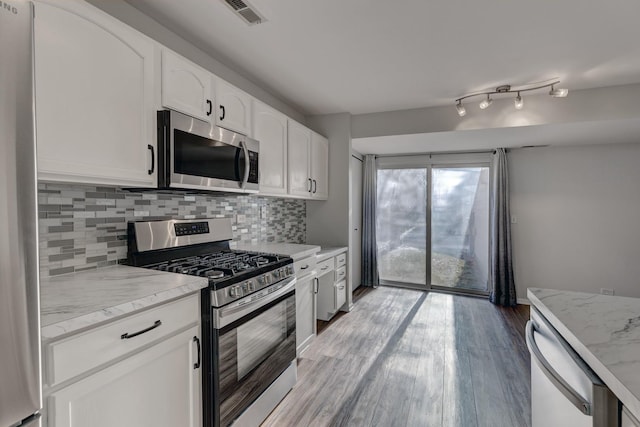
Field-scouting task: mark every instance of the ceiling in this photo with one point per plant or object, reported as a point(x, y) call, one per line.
point(362, 56)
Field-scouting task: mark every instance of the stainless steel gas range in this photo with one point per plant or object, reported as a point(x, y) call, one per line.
point(248, 314)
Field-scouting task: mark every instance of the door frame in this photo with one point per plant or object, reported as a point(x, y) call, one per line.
point(429, 162)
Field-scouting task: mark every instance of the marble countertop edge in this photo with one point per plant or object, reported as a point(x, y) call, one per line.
point(328, 252)
point(87, 321)
point(616, 385)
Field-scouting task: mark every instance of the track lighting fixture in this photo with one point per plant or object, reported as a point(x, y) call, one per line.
point(518, 101)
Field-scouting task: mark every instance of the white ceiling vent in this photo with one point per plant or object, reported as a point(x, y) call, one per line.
point(244, 10)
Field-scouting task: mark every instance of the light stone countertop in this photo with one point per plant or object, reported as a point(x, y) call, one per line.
point(604, 330)
point(72, 302)
point(330, 251)
point(294, 250)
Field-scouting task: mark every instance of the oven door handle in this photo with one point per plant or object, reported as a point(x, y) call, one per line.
point(247, 164)
point(237, 311)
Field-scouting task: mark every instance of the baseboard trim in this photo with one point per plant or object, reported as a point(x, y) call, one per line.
point(523, 301)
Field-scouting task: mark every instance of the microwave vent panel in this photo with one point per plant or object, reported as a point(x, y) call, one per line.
point(245, 11)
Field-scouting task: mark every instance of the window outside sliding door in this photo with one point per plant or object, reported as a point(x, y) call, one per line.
point(433, 221)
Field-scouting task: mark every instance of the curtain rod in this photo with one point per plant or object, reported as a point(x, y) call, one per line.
point(438, 153)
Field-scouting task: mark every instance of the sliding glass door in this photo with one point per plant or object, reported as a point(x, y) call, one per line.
point(433, 221)
point(460, 228)
point(402, 225)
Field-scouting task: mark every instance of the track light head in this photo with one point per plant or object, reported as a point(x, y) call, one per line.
point(558, 93)
point(461, 110)
point(486, 102)
point(518, 102)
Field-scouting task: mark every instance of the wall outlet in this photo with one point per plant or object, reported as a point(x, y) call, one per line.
point(241, 219)
point(514, 219)
point(605, 291)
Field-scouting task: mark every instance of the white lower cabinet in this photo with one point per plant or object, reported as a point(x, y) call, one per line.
point(306, 294)
point(332, 286)
point(142, 370)
point(157, 387)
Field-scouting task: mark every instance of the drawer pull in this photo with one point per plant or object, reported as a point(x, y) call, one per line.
point(127, 335)
point(324, 268)
point(305, 267)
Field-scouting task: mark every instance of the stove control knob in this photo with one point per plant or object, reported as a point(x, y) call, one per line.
point(283, 273)
point(276, 274)
point(232, 292)
point(290, 269)
point(251, 286)
point(261, 281)
point(268, 279)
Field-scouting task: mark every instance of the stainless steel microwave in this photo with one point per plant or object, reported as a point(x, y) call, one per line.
point(196, 155)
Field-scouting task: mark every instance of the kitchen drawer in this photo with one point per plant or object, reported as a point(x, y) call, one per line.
point(304, 266)
point(341, 273)
point(325, 266)
point(80, 353)
point(341, 294)
point(341, 260)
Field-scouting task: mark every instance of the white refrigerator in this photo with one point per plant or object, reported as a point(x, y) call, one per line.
point(20, 390)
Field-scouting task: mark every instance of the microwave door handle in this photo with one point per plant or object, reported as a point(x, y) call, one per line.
point(247, 164)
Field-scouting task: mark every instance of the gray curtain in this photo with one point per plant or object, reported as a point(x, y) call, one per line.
point(502, 285)
point(369, 246)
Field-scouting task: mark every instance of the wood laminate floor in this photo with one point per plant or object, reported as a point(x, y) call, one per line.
point(412, 358)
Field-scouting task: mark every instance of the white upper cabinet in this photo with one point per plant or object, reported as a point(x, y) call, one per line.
point(319, 161)
point(233, 107)
point(308, 163)
point(95, 97)
point(270, 128)
point(299, 149)
point(186, 87)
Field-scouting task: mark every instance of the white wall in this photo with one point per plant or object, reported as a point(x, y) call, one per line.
point(146, 25)
point(328, 221)
point(578, 218)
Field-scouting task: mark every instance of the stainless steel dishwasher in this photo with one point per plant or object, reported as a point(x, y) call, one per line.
point(564, 390)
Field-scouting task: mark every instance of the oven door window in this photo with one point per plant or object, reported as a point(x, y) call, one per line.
point(203, 157)
point(259, 336)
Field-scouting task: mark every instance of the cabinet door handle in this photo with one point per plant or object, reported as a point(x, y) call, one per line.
point(315, 186)
point(324, 268)
point(223, 112)
point(153, 159)
point(305, 267)
point(197, 341)
point(127, 335)
point(315, 285)
point(310, 184)
point(210, 104)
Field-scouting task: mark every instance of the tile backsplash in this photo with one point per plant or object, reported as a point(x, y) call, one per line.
point(85, 227)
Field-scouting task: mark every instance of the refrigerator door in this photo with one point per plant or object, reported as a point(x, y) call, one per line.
point(564, 390)
point(20, 395)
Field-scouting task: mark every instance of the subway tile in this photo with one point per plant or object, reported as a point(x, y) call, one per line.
point(58, 271)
